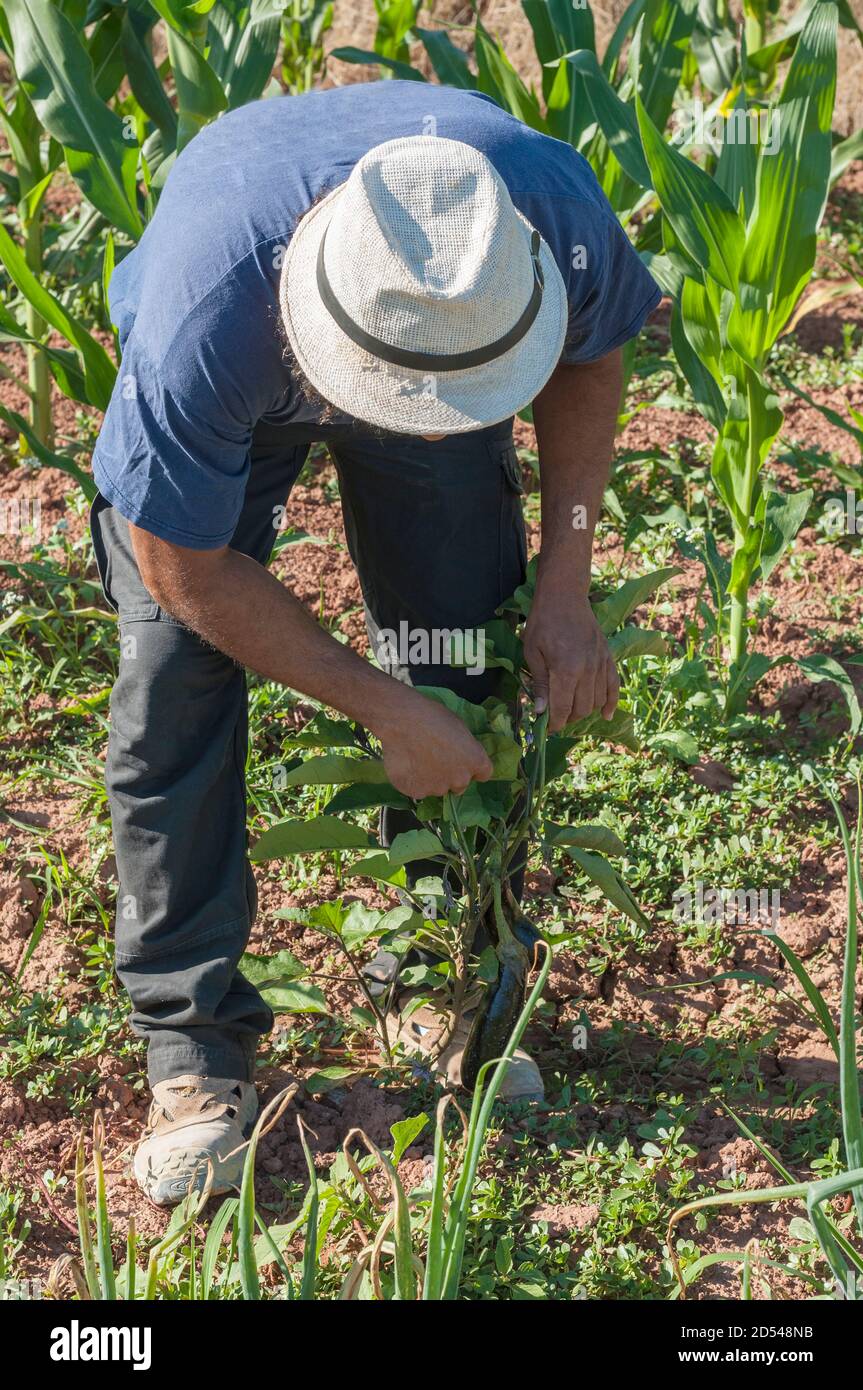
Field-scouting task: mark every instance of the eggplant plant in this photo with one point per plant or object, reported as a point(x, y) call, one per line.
point(468, 846)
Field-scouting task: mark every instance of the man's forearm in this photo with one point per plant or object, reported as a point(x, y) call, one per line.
point(575, 418)
point(245, 612)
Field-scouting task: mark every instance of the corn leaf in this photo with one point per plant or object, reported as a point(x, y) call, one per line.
point(664, 37)
point(559, 27)
point(56, 72)
point(143, 76)
point(449, 62)
point(603, 875)
point(244, 43)
point(47, 457)
point(616, 118)
point(498, 78)
point(791, 191)
point(99, 370)
point(700, 213)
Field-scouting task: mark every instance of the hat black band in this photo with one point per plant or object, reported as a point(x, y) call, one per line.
point(430, 361)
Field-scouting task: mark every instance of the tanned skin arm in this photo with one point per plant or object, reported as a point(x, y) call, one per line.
point(575, 417)
point(241, 609)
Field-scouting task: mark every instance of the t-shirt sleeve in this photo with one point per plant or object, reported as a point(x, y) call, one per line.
point(610, 290)
point(173, 453)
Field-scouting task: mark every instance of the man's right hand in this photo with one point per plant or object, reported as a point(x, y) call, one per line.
point(429, 752)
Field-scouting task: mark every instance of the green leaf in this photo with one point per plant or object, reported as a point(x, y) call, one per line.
point(55, 70)
point(677, 743)
point(449, 62)
point(752, 421)
point(791, 190)
point(593, 837)
point(365, 796)
point(143, 76)
point(244, 44)
point(99, 370)
point(702, 383)
point(612, 611)
point(819, 667)
point(405, 848)
point(267, 970)
point(616, 118)
point(663, 41)
point(312, 836)
point(618, 729)
point(603, 875)
point(47, 457)
point(200, 95)
point(522, 599)
point(844, 154)
point(737, 164)
point(327, 1079)
point(632, 642)
point(784, 515)
point(505, 755)
point(297, 998)
point(354, 927)
point(557, 750)
point(278, 978)
point(404, 1133)
point(559, 28)
point(363, 56)
point(714, 44)
point(703, 219)
point(474, 716)
point(294, 535)
point(335, 769)
point(324, 732)
point(497, 77)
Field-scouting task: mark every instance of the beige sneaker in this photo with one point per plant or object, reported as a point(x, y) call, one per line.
point(194, 1121)
point(420, 1033)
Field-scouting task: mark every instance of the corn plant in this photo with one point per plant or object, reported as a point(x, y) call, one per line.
point(304, 61)
point(68, 109)
point(743, 244)
point(469, 845)
point(739, 250)
point(844, 1258)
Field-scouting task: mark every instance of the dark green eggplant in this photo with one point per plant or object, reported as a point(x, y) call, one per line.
point(501, 1005)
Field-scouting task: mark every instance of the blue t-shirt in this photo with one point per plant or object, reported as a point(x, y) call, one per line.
point(196, 302)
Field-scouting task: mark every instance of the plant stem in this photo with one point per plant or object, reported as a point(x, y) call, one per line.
point(38, 375)
point(754, 29)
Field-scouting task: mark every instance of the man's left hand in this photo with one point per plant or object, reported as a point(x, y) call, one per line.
point(573, 670)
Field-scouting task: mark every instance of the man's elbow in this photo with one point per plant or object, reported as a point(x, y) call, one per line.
point(172, 575)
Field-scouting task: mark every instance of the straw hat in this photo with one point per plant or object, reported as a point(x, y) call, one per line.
point(417, 298)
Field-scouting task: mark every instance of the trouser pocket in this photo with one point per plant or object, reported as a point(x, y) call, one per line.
point(122, 585)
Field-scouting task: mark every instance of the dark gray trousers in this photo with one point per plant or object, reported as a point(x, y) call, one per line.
point(436, 533)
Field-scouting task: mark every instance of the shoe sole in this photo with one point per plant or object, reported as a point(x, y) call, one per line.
point(185, 1171)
